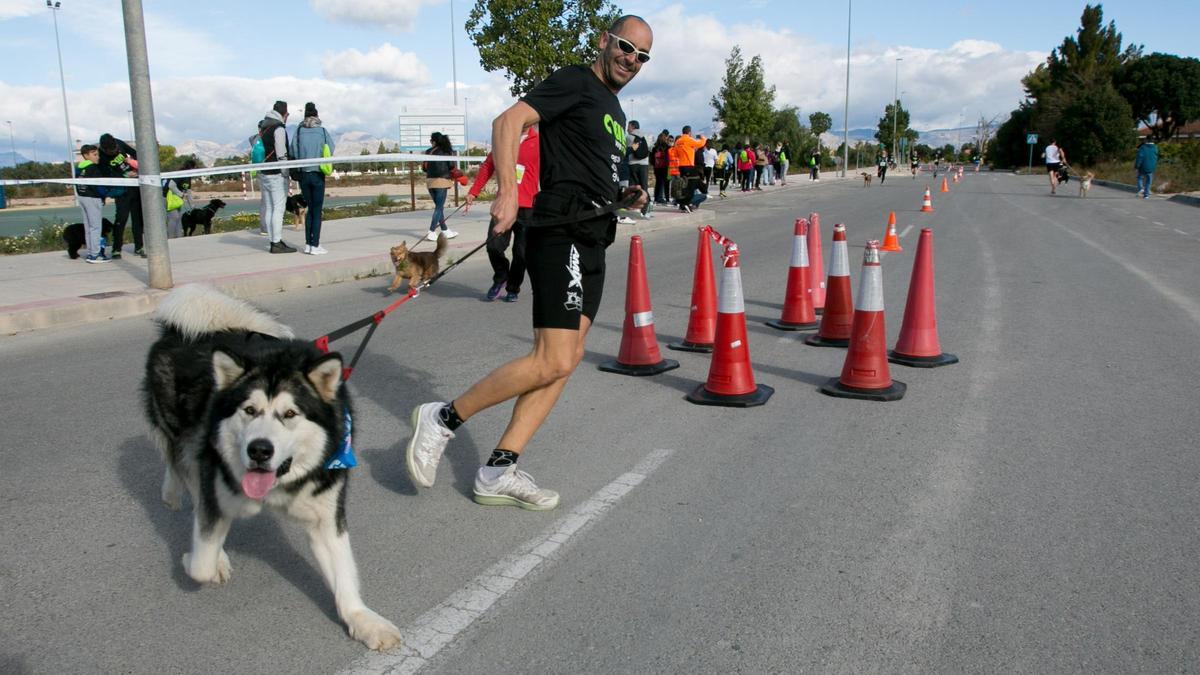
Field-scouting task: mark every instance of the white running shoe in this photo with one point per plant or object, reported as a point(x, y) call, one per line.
point(450, 234)
point(428, 442)
point(319, 250)
point(307, 249)
point(625, 220)
point(432, 236)
point(514, 488)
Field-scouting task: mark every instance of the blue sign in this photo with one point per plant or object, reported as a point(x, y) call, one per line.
point(1030, 139)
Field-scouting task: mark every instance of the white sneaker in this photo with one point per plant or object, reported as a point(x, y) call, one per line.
point(318, 250)
point(432, 236)
point(428, 442)
point(625, 220)
point(514, 488)
point(450, 234)
point(307, 248)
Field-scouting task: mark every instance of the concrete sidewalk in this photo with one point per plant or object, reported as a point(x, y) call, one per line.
point(44, 290)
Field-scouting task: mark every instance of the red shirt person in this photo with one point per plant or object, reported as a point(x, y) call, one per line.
point(505, 275)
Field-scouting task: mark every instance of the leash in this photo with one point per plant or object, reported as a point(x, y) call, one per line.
point(372, 322)
point(440, 222)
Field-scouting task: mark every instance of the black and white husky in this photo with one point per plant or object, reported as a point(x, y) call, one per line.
point(246, 416)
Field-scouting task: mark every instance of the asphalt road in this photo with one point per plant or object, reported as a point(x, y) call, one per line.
point(1030, 509)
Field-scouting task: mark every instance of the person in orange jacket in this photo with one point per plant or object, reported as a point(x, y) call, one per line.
point(687, 147)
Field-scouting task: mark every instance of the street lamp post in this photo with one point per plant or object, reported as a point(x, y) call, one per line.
point(54, 6)
point(846, 109)
point(895, 106)
point(12, 143)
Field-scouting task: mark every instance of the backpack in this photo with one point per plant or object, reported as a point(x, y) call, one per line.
point(660, 159)
point(258, 152)
point(678, 188)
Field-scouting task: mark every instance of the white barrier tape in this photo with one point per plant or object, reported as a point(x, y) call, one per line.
point(395, 157)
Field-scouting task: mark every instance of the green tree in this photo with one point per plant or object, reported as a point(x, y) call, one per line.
point(1008, 149)
point(884, 134)
point(744, 105)
point(819, 123)
point(530, 39)
point(1163, 91)
point(1097, 125)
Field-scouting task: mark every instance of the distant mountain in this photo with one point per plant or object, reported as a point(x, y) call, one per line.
point(933, 137)
point(346, 143)
point(6, 159)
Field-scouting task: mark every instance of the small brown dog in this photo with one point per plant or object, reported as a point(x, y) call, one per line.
point(418, 267)
point(866, 179)
point(1085, 183)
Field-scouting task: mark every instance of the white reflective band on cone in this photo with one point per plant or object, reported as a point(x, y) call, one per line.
point(870, 289)
point(730, 301)
point(840, 266)
point(799, 251)
point(642, 319)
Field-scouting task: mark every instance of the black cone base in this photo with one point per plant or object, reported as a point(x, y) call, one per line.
point(817, 341)
point(686, 346)
point(942, 359)
point(702, 396)
point(834, 387)
point(638, 371)
point(784, 325)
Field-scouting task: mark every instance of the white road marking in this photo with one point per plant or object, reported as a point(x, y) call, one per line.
point(1182, 232)
point(906, 231)
point(438, 627)
point(1160, 224)
point(1143, 218)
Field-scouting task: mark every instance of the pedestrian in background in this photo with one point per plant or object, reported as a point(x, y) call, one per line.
point(506, 276)
point(662, 161)
point(785, 160)
point(1145, 164)
point(881, 165)
point(91, 202)
point(637, 152)
point(177, 192)
point(760, 166)
point(118, 159)
point(437, 182)
point(1055, 158)
point(309, 142)
point(272, 131)
point(710, 162)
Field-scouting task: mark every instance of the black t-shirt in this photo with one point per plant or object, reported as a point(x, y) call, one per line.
point(582, 132)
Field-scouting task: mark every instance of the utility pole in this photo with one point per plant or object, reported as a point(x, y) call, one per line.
point(454, 63)
point(62, 80)
point(154, 213)
point(895, 106)
point(846, 110)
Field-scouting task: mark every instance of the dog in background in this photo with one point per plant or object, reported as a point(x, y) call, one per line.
point(298, 207)
point(418, 267)
point(201, 217)
point(866, 179)
point(1085, 183)
point(246, 417)
point(74, 238)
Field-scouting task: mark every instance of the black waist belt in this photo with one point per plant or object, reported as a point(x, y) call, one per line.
point(587, 214)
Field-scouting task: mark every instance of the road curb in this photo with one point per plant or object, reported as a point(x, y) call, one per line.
point(1187, 200)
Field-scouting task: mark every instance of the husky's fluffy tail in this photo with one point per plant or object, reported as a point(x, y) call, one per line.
point(199, 309)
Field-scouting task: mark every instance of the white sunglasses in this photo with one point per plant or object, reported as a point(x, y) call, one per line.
point(629, 48)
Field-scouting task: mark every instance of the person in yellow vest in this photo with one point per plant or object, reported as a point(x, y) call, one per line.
point(177, 192)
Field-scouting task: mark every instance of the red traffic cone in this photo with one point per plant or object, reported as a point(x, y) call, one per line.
point(891, 242)
point(798, 311)
point(918, 345)
point(702, 323)
point(865, 372)
point(945, 187)
point(927, 205)
point(839, 304)
point(730, 377)
point(639, 353)
point(816, 262)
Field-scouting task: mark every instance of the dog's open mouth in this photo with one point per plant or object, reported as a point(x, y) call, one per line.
point(258, 482)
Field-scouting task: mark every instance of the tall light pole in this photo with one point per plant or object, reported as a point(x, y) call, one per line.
point(846, 110)
point(453, 56)
point(12, 144)
point(54, 6)
point(895, 106)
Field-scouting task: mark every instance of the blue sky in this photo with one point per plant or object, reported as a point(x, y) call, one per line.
point(217, 66)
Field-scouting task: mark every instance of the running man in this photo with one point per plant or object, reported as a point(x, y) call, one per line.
point(582, 127)
point(914, 163)
point(1055, 158)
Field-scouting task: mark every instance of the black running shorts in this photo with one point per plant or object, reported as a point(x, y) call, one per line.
point(567, 278)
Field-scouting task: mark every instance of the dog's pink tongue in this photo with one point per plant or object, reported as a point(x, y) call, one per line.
point(256, 484)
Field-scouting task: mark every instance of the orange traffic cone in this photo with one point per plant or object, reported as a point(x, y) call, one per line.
point(891, 242)
point(816, 262)
point(954, 178)
point(639, 353)
point(918, 345)
point(927, 206)
point(865, 372)
point(839, 304)
point(730, 377)
point(798, 311)
point(945, 187)
point(702, 323)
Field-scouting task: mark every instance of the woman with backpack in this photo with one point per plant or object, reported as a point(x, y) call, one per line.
point(437, 181)
point(176, 193)
point(311, 140)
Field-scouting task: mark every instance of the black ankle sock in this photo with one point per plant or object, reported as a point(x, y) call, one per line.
point(449, 416)
point(502, 458)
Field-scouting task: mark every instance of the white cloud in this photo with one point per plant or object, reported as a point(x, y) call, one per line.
point(15, 9)
point(385, 63)
point(394, 15)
